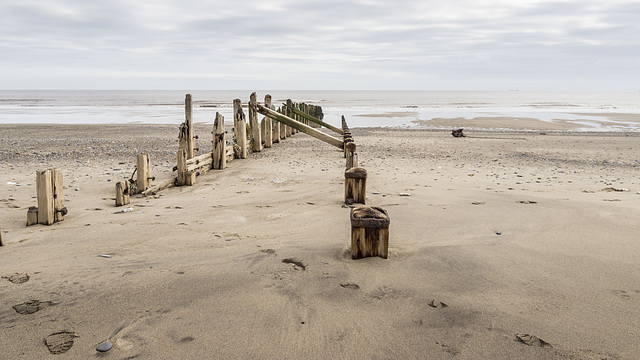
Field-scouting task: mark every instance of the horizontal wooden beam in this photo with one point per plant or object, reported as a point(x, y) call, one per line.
point(300, 126)
point(317, 121)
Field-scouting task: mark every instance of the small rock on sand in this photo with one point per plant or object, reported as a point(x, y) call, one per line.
point(104, 347)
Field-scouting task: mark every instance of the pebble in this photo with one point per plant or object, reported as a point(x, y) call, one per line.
point(105, 346)
point(105, 256)
point(405, 194)
point(77, 189)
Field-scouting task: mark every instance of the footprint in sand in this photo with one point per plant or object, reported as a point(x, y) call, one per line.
point(296, 262)
point(31, 306)
point(437, 304)
point(17, 278)
point(60, 342)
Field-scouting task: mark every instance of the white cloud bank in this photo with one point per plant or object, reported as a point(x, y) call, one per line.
point(320, 44)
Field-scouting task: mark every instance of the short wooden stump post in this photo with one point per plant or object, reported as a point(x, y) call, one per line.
point(122, 193)
point(355, 185)
point(369, 232)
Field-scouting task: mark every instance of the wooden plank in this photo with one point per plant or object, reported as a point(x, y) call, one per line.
point(267, 137)
point(317, 121)
point(44, 194)
point(156, 188)
point(58, 196)
point(143, 173)
point(188, 120)
point(302, 127)
point(240, 128)
point(219, 144)
point(275, 129)
point(198, 159)
point(207, 161)
point(256, 136)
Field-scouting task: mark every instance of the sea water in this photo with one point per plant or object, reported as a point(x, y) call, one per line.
point(360, 108)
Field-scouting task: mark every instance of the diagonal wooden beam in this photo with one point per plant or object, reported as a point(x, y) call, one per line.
point(300, 126)
point(317, 121)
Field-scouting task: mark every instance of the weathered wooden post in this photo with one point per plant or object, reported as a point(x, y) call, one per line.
point(275, 129)
point(185, 177)
point(32, 215)
point(355, 186)
point(143, 166)
point(59, 210)
point(369, 232)
point(44, 194)
point(122, 193)
point(256, 136)
point(266, 124)
point(188, 115)
point(219, 144)
point(289, 113)
point(240, 128)
point(352, 157)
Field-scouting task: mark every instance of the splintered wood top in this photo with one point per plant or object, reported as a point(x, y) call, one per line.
point(370, 217)
point(356, 173)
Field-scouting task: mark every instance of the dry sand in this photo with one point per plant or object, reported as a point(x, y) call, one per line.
point(517, 233)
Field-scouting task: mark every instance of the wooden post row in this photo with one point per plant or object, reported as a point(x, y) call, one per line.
point(352, 156)
point(240, 128)
point(219, 144)
point(256, 136)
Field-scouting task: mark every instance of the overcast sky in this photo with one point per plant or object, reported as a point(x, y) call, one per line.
point(320, 44)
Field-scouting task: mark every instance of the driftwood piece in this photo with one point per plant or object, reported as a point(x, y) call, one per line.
point(256, 135)
point(122, 193)
point(355, 185)
point(240, 128)
point(156, 188)
point(44, 189)
point(219, 144)
point(143, 172)
point(369, 232)
point(302, 127)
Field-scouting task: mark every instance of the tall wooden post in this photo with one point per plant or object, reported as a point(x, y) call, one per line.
point(283, 127)
point(185, 177)
point(188, 115)
point(144, 171)
point(240, 127)
point(219, 144)
point(256, 136)
point(266, 124)
point(58, 197)
point(289, 113)
point(44, 192)
point(275, 129)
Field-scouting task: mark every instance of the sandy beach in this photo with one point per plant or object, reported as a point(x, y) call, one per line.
point(499, 238)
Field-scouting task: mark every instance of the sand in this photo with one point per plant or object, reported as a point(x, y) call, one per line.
point(503, 234)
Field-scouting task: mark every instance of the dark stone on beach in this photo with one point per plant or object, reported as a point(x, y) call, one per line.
point(104, 347)
point(457, 133)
